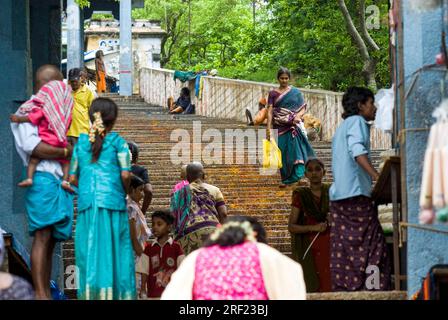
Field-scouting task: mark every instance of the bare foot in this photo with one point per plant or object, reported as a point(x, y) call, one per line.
point(26, 183)
point(67, 187)
point(282, 185)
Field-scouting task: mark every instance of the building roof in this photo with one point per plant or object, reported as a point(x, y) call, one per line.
point(139, 26)
point(116, 30)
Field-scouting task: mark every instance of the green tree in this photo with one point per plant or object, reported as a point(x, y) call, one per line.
point(316, 45)
point(324, 46)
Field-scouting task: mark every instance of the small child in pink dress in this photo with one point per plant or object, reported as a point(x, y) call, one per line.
point(51, 111)
point(183, 182)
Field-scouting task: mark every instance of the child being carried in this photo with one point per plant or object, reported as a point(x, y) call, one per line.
point(51, 111)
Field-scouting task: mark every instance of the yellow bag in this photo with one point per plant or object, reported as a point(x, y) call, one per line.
point(272, 155)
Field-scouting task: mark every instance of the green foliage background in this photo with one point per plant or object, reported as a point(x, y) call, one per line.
point(307, 36)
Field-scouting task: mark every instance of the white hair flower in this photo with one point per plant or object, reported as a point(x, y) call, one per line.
point(245, 226)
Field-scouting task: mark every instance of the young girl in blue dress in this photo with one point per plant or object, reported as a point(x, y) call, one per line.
point(103, 249)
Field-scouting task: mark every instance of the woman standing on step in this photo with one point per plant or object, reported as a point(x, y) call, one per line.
point(308, 224)
point(103, 248)
point(286, 108)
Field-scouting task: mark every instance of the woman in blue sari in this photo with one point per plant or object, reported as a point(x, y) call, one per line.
point(286, 109)
point(103, 248)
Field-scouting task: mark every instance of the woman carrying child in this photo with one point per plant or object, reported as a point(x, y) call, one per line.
point(103, 248)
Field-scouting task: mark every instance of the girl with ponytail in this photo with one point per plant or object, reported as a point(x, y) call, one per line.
point(103, 250)
point(235, 265)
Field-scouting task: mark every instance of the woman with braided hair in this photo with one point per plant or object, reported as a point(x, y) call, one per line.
point(103, 249)
point(233, 265)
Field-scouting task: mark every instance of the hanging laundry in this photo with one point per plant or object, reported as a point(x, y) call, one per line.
point(384, 115)
point(199, 84)
point(184, 76)
point(434, 188)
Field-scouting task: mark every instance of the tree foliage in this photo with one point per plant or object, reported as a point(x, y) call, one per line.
point(308, 36)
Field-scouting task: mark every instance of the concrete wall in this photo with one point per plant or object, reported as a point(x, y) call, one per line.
point(228, 98)
point(144, 48)
point(15, 88)
point(422, 41)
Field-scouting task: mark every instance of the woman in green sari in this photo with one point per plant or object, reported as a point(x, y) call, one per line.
point(286, 109)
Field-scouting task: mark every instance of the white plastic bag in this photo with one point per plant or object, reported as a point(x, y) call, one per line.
point(384, 100)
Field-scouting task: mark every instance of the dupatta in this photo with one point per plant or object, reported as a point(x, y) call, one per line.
point(286, 107)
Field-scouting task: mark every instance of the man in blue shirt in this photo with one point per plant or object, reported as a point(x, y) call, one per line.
point(358, 246)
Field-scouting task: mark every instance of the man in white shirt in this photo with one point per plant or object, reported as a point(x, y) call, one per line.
point(49, 208)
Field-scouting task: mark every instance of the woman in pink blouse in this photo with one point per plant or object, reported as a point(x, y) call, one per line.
point(234, 266)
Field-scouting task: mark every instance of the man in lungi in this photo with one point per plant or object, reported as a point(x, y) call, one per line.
point(49, 207)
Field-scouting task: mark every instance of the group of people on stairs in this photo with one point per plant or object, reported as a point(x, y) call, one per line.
point(336, 233)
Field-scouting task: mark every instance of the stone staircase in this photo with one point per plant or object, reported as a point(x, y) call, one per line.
point(245, 190)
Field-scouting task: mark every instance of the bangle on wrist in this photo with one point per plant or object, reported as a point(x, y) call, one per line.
point(65, 152)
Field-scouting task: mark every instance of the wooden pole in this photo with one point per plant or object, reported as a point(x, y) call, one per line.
point(396, 225)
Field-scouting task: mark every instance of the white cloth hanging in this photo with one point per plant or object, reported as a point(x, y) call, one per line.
point(385, 99)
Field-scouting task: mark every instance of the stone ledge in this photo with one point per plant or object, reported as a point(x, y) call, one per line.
point(359, 295)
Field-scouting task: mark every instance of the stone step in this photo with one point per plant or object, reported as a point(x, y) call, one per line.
point(359, 295)
point(246, 190)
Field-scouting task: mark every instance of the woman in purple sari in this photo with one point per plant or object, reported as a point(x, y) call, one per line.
point(286, 108)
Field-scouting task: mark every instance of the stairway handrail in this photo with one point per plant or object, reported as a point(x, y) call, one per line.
point(266, 84)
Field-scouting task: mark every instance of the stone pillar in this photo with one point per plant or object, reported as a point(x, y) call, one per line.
point(16, 84)
point(75, 45)
point(422, 28)
point(125, 48)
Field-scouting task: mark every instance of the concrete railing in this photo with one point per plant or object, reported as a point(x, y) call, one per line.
point(228, 98)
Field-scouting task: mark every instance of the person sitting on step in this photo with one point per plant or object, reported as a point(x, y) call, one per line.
point(261, 118)
point(182, 103)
